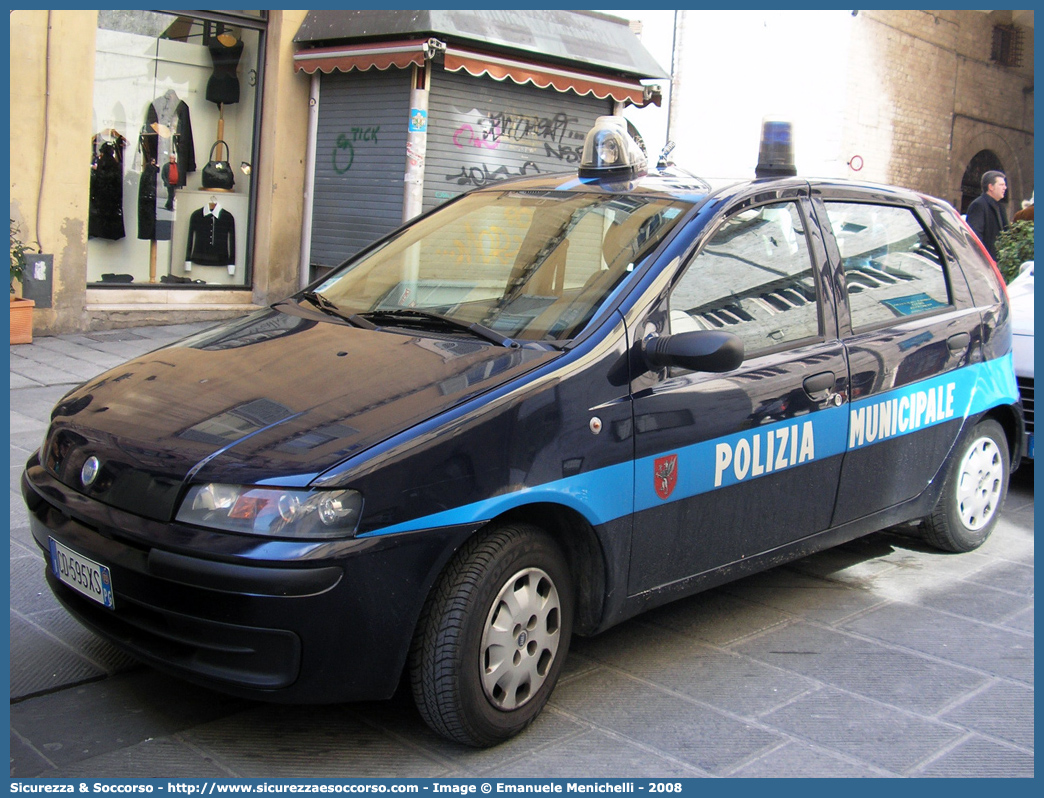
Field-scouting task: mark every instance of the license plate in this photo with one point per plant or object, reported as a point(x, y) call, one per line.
point(84, 576)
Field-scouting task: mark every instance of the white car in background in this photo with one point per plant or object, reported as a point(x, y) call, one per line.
point(1021, 292)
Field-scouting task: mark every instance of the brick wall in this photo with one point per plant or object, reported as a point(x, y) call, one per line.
point(924, 98)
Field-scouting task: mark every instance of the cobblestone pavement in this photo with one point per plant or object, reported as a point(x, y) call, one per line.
point(878, 658)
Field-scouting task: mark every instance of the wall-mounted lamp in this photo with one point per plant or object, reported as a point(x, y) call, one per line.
point(245, 168)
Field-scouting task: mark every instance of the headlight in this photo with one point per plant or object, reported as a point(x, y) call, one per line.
point(275, 512)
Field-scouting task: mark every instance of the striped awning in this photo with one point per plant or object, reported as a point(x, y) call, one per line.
point(542, 76)
point(477, 63)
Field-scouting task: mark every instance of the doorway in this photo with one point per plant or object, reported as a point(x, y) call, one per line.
point(971, 183)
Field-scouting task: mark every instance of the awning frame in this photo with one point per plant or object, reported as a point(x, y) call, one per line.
point(381, 56)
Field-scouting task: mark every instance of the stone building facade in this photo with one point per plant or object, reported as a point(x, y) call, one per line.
point(937, 99)
point(918, 99)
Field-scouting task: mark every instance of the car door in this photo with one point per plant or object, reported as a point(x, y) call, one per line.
point(909, 329)
point(731, 465)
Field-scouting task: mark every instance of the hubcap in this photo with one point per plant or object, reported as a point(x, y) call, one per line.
point(979, 484)
point(520, 639)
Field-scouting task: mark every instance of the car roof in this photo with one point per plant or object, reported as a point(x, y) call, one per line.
point(676, 183)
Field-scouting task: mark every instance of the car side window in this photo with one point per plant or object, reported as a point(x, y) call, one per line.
point(753, 278)
point(893, 268)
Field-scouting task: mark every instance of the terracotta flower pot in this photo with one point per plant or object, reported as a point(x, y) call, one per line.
point(22, 321)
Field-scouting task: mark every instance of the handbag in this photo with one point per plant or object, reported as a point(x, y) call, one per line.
point(218, 174)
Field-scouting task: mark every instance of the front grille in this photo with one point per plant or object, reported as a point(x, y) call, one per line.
point(1026, 391)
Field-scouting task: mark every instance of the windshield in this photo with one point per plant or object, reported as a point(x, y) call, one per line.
point(528, 265)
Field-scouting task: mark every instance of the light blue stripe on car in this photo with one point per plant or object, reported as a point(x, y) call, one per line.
point(610, 493)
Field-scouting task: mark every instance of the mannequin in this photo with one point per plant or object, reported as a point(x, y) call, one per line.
point(223, 86)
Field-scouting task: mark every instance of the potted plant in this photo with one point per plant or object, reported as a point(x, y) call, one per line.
point(21, 309)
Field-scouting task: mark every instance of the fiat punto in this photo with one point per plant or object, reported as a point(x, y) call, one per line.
point(536, 411)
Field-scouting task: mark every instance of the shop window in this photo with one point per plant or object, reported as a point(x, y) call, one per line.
point(175, 98)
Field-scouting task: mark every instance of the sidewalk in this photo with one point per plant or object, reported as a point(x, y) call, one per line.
point(49, 650)
point(878, 658)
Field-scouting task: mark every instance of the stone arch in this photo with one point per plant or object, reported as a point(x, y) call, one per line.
point(969, 139)
point(971, 182)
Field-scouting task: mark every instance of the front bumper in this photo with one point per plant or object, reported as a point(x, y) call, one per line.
point(270, 620)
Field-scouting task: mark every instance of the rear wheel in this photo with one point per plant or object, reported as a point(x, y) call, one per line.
point(973, 493)
point(493, 636)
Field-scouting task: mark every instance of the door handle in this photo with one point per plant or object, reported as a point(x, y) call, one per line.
point(818, 383)
point(958, 342)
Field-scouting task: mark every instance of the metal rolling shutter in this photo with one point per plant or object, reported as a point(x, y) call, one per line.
point(481, 130)
point(360, 161)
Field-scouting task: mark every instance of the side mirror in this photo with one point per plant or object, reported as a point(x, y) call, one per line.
point(700, 350)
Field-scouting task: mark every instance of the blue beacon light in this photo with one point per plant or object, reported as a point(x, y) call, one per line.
point(776, 152)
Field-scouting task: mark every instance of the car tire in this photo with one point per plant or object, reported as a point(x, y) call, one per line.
point(493, 636)
point(973, 492)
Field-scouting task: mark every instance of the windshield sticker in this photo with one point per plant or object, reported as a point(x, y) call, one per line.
point(913, 304)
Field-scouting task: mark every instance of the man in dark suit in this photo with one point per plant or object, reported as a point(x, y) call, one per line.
point(985, 215)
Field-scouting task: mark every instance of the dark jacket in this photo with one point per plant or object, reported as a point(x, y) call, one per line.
point(211, 237)
point(986, 217)
point(168, 114)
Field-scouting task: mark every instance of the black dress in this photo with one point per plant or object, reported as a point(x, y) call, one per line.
point(223, 86)
point(147, 202)
point(105, 210)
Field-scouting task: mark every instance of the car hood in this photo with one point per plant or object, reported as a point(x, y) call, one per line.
point(273, 398)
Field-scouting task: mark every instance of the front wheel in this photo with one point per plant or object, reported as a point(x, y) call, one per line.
point(493, 636)
point(973, 493)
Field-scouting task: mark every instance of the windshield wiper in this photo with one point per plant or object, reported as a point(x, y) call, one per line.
point(331, 309)
point(415, 315)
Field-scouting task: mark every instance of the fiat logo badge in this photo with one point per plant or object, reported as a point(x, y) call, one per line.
point(90, 470)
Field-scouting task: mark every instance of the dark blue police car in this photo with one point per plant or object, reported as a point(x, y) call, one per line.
point(539, 410)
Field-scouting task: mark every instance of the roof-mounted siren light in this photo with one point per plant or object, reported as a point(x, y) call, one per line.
point(776, 152)
point(610, 152)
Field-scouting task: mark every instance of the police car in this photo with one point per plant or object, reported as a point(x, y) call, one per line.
point(537, 411)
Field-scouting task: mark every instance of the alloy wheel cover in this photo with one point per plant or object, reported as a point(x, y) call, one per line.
point(979, 483)
point(520, 639)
